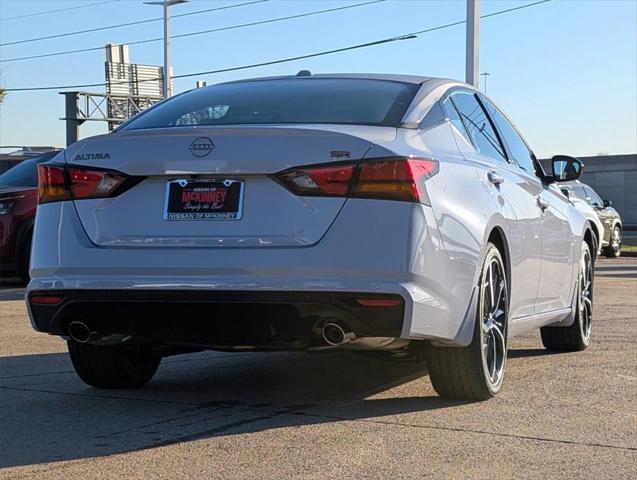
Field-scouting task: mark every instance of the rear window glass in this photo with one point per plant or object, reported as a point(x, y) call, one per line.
point(341, 101)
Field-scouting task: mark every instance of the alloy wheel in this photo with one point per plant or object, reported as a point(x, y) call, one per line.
point(493, 314)
point(617, 239)
point(585, 303)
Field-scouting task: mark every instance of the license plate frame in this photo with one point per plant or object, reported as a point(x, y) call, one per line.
point(204, 204)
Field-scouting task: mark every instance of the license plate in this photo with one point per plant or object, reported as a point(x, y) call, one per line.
point(188, 199)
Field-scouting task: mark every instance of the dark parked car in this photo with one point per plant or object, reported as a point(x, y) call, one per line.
point(612, 237)
point(18, 201)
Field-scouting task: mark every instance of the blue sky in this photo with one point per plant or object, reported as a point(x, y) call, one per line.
point(565, 71)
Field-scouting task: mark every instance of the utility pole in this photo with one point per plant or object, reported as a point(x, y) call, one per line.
point(485, 75)
point(167, 89)
point(473, 36)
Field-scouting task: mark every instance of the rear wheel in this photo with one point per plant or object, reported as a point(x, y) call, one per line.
point(476, 372)
point(614, 248)
point(112, 367)
point(578, 335)
point(25, 257)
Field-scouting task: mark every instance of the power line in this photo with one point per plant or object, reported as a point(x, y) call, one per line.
point(128, 24)
point(56, 11)
point(407, 36)
point(201, 32)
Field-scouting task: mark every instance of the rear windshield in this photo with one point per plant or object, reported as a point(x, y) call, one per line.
point(342, 101)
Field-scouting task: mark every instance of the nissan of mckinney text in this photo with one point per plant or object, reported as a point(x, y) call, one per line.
point(400, 216)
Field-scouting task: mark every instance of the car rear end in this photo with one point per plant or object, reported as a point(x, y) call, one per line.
point(237, 237)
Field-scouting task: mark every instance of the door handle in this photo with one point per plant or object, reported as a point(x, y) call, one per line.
point(494, 178)
point(543, 204)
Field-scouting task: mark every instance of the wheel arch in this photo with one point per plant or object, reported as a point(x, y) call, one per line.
point(25, 232)
point(589, 238)
point(497, 236)
point(499, 239)
point(595, 230)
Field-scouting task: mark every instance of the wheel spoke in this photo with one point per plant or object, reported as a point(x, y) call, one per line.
point(494, 357)
point(498, 297)
point(492, 284)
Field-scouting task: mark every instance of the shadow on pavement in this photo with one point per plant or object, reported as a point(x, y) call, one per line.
point(49, 415)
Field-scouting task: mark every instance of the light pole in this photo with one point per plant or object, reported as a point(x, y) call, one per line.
point(167, 90)
point(473, 36)
point(485, 75)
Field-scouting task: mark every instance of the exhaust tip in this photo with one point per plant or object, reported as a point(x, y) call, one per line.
point(80, 332)
point(334, 334)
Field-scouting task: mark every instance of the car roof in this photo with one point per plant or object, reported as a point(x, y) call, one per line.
point(413, 79)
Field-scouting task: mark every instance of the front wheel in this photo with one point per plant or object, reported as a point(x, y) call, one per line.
point(614, 248)
point(112, 366)
point(578, 335)
point(476, 372)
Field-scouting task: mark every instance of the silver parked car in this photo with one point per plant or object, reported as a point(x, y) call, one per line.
point(607, 224)
point(399, 214)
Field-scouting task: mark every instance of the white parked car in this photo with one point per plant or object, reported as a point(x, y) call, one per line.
point(589, 213)
point(374, 212)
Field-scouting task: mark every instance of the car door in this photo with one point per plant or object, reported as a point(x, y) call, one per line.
point(550, 206)
point(514, 192)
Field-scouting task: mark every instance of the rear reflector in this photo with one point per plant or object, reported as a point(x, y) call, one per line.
point(395, 178)
point(379, 302)
point(57, 183)
point(47, 299)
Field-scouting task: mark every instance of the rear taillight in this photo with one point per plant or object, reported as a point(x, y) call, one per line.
point(321, 180)
point(57, 183)
point(52, 184)
point(396, 178)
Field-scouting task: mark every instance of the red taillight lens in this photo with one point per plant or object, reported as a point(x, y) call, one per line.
point(47, 299)
point(52, 184)
point(399, 178)
point(379, 302)
point(93, 183)
point(331, 180)
point(57, 183)
point(394, 179)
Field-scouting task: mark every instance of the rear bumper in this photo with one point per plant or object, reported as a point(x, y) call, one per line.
point(216, 318)
point(373, 248)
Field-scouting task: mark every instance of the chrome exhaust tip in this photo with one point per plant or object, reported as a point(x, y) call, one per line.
point(80, 332)
point(334, 334)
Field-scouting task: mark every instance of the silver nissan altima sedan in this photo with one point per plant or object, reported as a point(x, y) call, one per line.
point(396, 214)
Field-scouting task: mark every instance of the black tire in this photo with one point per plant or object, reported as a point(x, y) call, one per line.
point(578, 336)
point(614, 248)
point(25, 258)
point(112, 367)
point(462, 373)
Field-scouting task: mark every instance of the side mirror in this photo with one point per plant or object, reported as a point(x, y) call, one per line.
point(608, 203)
point(566, 168)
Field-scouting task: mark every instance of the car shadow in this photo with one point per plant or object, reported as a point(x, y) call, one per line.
point(49, 415)
point(531, 352)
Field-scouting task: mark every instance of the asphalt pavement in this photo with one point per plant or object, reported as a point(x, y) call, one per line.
point(340, 415)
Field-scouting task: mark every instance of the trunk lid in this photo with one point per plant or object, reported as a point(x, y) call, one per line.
point(271, 215)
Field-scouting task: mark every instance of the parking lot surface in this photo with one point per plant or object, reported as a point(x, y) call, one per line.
point(283, 415)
